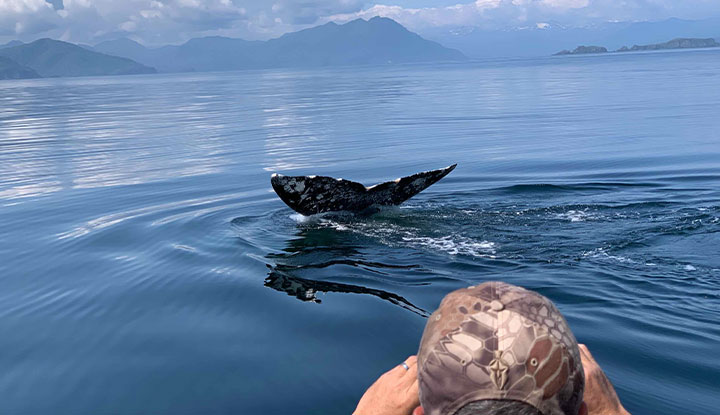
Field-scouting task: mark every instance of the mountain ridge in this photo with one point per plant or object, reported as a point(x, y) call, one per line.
point(677, 43)
point(375, 41)
point(11, 44)
point(9, 69)
point(55, 58)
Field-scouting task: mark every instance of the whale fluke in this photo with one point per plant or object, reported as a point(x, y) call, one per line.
point(310, 195)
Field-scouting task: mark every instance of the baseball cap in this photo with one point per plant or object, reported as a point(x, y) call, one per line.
point(499, 341)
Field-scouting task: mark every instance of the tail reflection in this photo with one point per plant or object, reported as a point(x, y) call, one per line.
point(306, 290)
point(321, 249)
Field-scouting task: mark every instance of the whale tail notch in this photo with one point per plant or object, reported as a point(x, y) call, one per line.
point(310, 195)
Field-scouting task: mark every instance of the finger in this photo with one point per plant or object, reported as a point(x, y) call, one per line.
point(412, 360)
point(397, 371)
point(411, 396)
point(409, 362)
point(584, 351)
point(410, 377)
point(414, 389)
point(412, 372)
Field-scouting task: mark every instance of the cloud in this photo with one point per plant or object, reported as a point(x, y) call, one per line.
point(57, 4)
point(162, 21)
point(26, 16)
point(495, 14)
point(174, 21)
point(151, 20)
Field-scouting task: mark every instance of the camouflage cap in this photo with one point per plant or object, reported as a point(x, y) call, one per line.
point(499, 341)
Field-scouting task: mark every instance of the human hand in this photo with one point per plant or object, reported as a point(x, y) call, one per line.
point(599, 395)
point(394, 393)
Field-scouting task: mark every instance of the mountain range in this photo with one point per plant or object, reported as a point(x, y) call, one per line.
point(11, 44)
point(54, 58)
point(359, 42)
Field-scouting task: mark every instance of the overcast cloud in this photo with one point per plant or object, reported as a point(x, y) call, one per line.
point(174, 21)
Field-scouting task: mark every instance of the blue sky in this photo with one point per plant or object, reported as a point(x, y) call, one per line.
point(174, 21)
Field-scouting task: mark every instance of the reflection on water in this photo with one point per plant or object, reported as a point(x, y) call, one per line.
point(140, 233)
point(306, 290)
point(76, 144)
point(314, 250)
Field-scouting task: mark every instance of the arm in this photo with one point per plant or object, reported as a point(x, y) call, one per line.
point(600, 396)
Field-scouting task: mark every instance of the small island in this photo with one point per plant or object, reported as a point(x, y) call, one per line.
point(583, 50)
point(679, 43)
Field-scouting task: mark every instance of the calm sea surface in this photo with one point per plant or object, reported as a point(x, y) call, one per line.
point(147, 267)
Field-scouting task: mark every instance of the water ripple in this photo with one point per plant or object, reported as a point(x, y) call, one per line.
point(144, 253)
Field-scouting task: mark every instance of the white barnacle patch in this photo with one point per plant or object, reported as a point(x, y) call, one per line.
point(300, 186)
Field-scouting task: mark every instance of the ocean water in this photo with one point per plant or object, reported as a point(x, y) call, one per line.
point(146, 265)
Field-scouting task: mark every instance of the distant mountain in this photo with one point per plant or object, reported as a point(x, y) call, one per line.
point(643, 33)
point(10, 69)
point(201, 54)
point(11, 44)
point(680, 43)
point(547, 38)
point(375, 41)
point(124, 47)
point(583, 50)
point(51, 58)
point(378, 40)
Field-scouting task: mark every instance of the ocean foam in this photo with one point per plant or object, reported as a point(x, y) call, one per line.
point(600, 253)
point(577, 216)
point(392, 234)
point(455, 245)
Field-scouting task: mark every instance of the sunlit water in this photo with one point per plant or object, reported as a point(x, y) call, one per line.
point(147, 267)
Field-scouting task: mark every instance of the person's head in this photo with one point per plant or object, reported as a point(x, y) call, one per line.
point(497, 349)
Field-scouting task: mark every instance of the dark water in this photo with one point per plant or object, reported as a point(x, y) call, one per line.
point(147, 267)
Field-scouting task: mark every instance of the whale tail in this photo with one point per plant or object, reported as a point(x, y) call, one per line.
point(310, 195)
